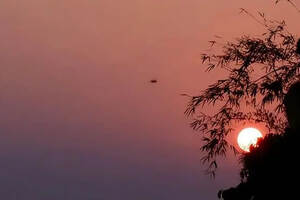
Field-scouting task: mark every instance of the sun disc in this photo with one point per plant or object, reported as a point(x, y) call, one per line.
point(248, 137)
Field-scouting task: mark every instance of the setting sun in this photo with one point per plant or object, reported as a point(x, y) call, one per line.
point(248, 137)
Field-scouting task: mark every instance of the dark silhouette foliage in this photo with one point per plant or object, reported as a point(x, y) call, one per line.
point(271, 169)
point(261, 85)
point(259, 71)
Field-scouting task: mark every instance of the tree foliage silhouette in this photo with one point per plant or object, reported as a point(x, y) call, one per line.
point(259, 72)
point(270, 169)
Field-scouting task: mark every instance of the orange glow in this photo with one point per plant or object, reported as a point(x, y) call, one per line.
point(248, 137)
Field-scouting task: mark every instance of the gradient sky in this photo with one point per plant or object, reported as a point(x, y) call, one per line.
point(80, 120)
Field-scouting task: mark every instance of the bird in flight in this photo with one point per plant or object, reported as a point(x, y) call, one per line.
point(153, 81)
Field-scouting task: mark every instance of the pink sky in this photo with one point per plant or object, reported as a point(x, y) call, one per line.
point(79, 118)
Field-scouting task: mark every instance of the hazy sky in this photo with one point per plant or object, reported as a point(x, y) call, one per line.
point(80, 120)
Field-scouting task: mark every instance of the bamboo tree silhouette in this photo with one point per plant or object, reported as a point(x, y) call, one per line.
point(259, 69)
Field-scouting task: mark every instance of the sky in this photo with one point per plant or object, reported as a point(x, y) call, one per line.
point(80, 120)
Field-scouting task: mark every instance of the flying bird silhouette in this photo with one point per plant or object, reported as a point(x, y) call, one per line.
point(153, 81)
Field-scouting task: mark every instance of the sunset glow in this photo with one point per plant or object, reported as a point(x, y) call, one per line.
point(248, 137)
